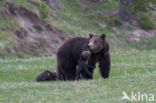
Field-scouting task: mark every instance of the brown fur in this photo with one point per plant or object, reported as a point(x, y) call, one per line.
point(69, 56)
point(46, 76)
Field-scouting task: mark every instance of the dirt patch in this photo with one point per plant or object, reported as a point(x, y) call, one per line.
point(54, 4)
point(138, 34)
point(34, 35)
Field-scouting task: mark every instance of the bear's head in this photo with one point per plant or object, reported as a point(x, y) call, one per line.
point(97, 43)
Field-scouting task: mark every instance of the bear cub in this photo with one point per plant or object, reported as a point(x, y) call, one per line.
point(46, 76)
point(82, 71)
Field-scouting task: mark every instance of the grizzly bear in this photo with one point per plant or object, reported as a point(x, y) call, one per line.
point(82, 71)
point(70, 56)
point(46, 76)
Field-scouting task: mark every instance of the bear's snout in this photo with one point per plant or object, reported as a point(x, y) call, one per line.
point(88, 47)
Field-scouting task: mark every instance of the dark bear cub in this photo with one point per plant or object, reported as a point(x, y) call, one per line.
point(46, 76)
point(83, 66)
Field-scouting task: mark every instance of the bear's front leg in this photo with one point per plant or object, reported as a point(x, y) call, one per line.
point(105, 65)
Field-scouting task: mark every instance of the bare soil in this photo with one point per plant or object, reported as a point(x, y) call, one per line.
point(34, 34)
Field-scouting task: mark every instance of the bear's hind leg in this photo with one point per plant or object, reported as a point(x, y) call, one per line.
point(67, 72)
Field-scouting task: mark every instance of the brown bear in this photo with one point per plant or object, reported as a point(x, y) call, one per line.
point(69, 57)
point(82, 72)
point(83, 66)
point(46, 76)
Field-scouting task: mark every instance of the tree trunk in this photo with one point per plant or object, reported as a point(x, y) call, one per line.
point(125, 13)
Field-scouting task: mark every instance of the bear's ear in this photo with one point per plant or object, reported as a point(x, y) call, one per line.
point(103, 36)
point(91, 35)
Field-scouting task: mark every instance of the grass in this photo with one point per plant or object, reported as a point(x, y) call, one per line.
point(1, 3)
point(132, 70)
point(7, 40)
point(23, 3)
point(8, 23)
point(74, 21)
point(149, 43)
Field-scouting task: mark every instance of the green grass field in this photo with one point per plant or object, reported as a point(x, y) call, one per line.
point(132, 70)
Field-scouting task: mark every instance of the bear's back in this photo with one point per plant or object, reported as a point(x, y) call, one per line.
point(72, 47)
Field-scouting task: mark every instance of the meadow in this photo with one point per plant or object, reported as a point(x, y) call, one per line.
point(132, 70)
point(133, 66)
